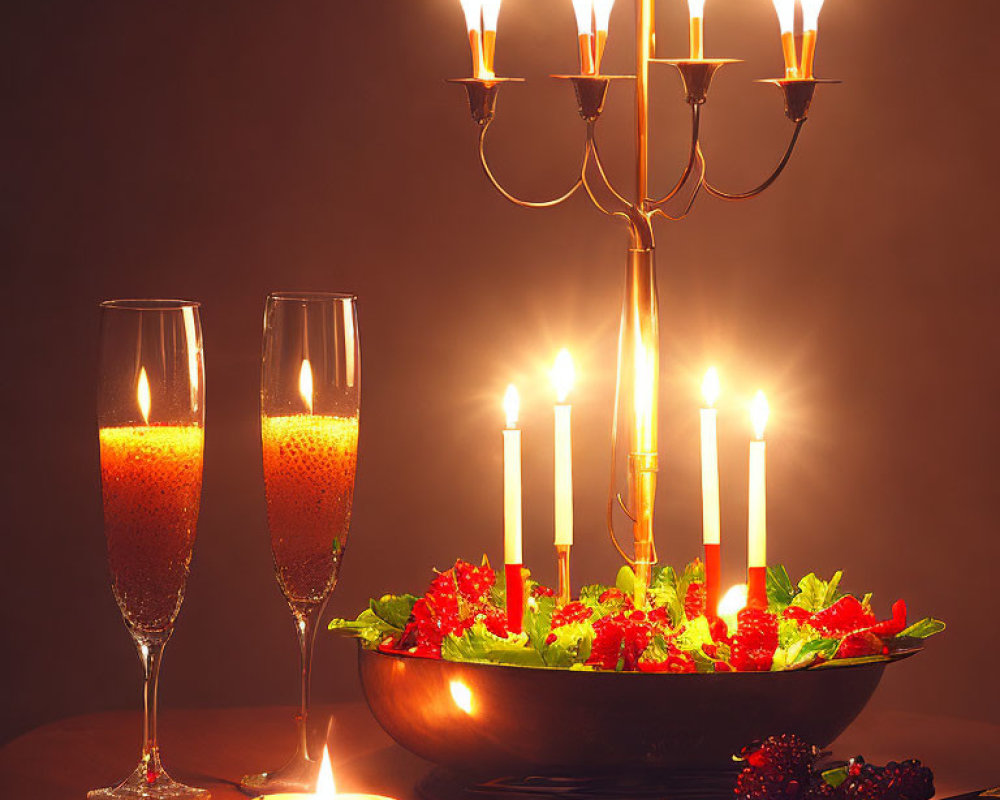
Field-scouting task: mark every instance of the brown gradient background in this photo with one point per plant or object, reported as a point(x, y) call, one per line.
point(219, 150)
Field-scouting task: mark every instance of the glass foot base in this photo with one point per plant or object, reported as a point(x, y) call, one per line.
point(137, 785)
point(298, 775)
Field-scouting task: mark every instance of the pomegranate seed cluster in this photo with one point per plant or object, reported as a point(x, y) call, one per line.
point(784, 768)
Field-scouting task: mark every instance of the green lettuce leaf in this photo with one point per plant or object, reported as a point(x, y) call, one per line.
point(538, 620)
point(816, 594)
point(780, 589)
point(368, 627)
point(571, 646)
point(921, 630)
point(394, 609)
point(478, 644)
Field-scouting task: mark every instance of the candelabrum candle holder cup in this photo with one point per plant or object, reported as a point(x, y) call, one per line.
point(638, 357)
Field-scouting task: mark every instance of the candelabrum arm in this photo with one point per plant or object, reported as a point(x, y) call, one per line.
point(638, 221)
point(773, 177)
point(516, 200)
point(694, 157)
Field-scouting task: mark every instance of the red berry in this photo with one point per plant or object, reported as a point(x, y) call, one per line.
point(755, 641)
point(569, 613)
point(694, 600)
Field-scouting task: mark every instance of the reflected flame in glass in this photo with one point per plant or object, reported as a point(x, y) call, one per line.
point(462, 695)
point(306, 384)
point(142, 394)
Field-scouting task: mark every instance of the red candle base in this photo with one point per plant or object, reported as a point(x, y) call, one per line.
point(515, 597)
point(757, 587)
point(712, 568)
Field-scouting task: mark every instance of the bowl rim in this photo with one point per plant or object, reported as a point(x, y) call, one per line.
point(881, 663)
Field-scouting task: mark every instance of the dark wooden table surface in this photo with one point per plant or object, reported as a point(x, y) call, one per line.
point(213, 748)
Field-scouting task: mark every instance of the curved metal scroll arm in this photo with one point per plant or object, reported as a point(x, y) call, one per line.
point(694, 156)
point(507, 195)
point(773, 177)
point(699, 184)
point(638, 220)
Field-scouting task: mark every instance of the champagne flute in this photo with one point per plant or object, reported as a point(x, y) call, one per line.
point(310, 397)
point(151, 413)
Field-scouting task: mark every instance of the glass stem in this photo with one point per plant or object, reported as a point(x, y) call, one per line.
point(305, 627)
point(150, 654)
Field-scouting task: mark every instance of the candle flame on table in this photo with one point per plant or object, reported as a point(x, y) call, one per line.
point(142, 394)
point(306, 384)
point(563, 374)
point(462, 695)
point(326, 788)
point(511, 405)
point(710, 386)
point(759, 411)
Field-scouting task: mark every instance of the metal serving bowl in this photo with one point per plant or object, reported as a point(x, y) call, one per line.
point(493, 720)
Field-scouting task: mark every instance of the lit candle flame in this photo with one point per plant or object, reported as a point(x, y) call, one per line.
point(810, 24)
point(759, 411)
point(602, 14)
point(462, 695)
point(306, 384)
point(584, 10)
point(473, 22)
point(696, 9)
point(786, 20)
point(491, 13)
point(326, 789)
point(563, 375)
point(142, 394)
point(733, 601)
point(786, 14)
point(810, 14)
point(511, 405)
point(710, 387)
point(602, 19)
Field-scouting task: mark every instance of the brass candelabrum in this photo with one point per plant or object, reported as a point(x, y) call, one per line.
point(638, 346)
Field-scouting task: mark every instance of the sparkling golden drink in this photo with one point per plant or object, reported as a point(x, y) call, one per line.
point(309, 467)
point(151, 485)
